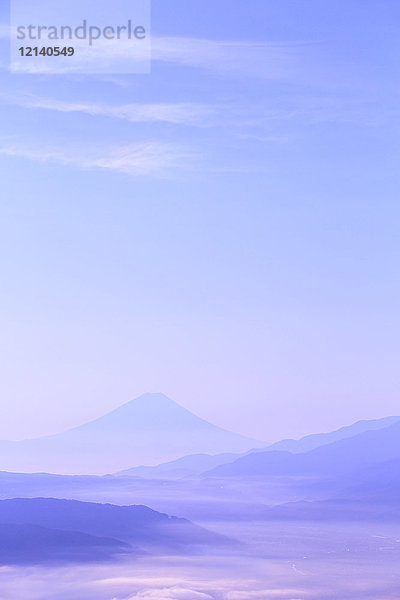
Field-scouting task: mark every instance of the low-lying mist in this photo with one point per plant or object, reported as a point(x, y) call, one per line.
point(281, 561)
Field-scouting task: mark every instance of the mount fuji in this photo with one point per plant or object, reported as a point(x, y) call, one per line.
point(148, 430)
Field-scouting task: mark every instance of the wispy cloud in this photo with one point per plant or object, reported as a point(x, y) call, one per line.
point(261, 59)
point(173, 593)
point(149, 159)
point(188, 588)
point(176, 113)
point(266, 124)
point(277, 594)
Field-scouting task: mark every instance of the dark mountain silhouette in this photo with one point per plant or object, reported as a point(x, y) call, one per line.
point(138, 525)
point(24, 544)
point(345, 456)
point(150, 429)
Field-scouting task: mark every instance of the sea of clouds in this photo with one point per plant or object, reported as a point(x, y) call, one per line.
point(201, 578)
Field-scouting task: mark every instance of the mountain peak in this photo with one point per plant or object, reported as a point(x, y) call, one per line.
point(154, 400)
point(153, 397)
point(147, 430)
point(149, 412)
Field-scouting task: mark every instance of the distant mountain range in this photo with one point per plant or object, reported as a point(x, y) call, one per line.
point(335, 509)
point(371, 493)
point(349, 475)
point(341, 457)
point(357, 474)
point(187, 466)
point(315, 440)
point(148, 430)
point(194, 465)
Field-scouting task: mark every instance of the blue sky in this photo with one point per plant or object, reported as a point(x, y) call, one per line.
point(224, 230)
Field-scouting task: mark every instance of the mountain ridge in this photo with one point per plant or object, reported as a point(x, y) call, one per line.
point(315, 440)
point(363, 450)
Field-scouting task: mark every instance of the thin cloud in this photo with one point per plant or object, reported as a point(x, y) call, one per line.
point(277, 594)
point(149, 159)
point(175, 113)
point(174, 593)
point(261, 59)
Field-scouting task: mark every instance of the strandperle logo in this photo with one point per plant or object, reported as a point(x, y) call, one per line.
point(84, 32)
point(81, 36)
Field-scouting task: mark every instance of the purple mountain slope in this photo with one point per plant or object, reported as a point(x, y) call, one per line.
point(26, 544)
point(140, 526)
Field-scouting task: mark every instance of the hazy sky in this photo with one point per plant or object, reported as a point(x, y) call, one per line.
point(224, 230)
